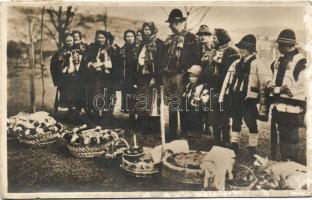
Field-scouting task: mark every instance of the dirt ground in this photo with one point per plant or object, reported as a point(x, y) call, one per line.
point(53, 169)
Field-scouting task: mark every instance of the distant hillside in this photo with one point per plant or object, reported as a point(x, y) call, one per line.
point(17, 27)
point(88, 23)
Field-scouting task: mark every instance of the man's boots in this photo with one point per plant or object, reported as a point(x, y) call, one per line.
point(216, 135)
point(253, 141)
point(225, 129)
point(289, 151)
point(234, 141)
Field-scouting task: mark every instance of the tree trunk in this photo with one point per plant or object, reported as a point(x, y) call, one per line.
point(41, 61)
point(32, 77)
point(60, 39)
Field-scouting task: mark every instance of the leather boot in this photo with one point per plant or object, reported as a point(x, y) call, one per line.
point(289, 151)
point(216, 135)
point(225, 135)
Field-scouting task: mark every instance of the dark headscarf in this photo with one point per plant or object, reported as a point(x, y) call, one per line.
point(154, 30)
point(64, 39)
point(110, 37)
point(139, 31)
point(223, 36)
point(128, 31)
point(98, 32)
point(151, 25)
point(79, 33)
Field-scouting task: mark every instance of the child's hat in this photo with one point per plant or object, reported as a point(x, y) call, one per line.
point(195, 70)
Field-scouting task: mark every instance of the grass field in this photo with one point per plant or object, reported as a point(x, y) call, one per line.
point(53, 169)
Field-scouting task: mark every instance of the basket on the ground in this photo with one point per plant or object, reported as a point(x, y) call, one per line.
point(36, 129)
point(138, 163)
point(184, 167)
point(87, 151)
point(244, 178)
point(39, 140)
point(89, 142)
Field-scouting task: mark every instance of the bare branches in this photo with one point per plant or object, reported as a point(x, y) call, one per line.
point(61, 21)
point(51, 13)
point(50, 33)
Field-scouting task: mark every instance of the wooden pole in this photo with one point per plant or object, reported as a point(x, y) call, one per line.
point(105, 19)
point(162, 118)
point(32, 67)
point(32, 77)
point(41, 60)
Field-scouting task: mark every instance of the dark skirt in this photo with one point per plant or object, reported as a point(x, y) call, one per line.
point(72, 92)
point(147, 101)
point(128, 97)
point(101, 94)
point(128, 101)
point(217, 114)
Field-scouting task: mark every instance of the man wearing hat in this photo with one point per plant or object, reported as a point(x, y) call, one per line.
point(195, 96)
point(179, 56)
point(288, 88)
point(242, 86)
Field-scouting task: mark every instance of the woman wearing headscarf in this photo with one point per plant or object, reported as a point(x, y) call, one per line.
point(224, 56)
point(139, 38)
point(79, 44)
point(148, 77)
point(66, 76)
point(101, 68)
point(129, 58)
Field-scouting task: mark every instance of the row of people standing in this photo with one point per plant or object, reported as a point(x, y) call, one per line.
point(87, 76)
point(195, 70)
point(239, 83)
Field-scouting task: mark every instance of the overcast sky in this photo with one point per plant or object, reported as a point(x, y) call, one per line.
point(231, 17)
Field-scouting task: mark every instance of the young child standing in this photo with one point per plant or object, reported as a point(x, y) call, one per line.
point(195, 100)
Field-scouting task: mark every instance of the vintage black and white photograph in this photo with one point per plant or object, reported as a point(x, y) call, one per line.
point(161, 99)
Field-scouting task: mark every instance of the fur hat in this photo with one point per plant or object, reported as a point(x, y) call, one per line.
point(176, 15)
point(287, 36)
point(203, 30)
point(248, 42)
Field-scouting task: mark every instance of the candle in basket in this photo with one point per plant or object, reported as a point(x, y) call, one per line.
point(134, 141)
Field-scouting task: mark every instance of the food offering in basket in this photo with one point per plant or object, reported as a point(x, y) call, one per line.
point(89, 142)
point(138, 161)
point(184, 167)
point(198, 167)
point(35, 129)
point(243, 178)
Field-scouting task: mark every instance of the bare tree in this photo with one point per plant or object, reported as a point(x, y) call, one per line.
point(61, 21)
point(41, 58)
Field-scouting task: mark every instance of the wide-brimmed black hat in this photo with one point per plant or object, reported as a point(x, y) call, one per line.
point(203, 30)
point(176, 15)
point(287, 36)
point(248, 42)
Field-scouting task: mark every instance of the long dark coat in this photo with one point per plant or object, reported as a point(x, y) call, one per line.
point(101, 93)
point(129, 58)
point(70, 88)
point(151, 70)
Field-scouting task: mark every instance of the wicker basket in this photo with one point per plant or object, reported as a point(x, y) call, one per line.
point(39, 139)
point(182, 174)
point(253, 179)
point(133, 169)
point(87, 151)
